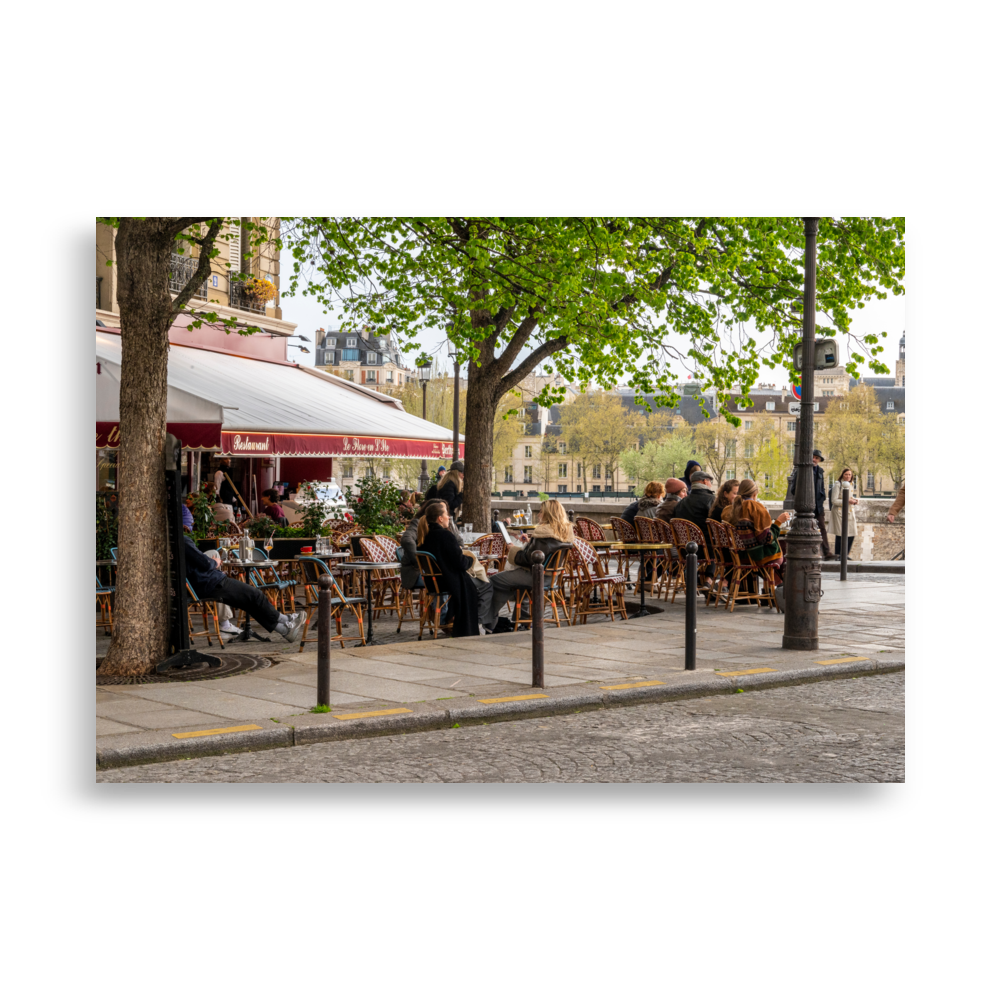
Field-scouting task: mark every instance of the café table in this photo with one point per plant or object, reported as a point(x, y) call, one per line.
point(241, 566)
point(368, 568)
point(642, 548)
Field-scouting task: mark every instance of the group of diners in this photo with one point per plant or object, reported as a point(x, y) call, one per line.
point(695, 499)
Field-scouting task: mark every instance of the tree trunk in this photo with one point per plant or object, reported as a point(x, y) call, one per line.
point(480, 409)
point(140, 632)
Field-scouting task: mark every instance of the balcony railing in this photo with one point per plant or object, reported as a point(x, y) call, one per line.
point(239, 298)
point(182, 270)
point(99, 280)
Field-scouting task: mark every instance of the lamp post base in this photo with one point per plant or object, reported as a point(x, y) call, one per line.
point(802, 584)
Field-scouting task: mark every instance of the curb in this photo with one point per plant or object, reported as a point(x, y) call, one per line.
point(128, 752)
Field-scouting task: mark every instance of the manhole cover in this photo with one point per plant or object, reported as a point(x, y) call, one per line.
point(232, 664)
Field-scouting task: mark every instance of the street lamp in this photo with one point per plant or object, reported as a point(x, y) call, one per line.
point(424, 372)
point(803, 575)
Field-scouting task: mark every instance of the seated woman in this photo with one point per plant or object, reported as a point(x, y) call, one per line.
point(272, 508)
point(434, 536)
point(553, 532)
point(724, 498)
point(749, 511)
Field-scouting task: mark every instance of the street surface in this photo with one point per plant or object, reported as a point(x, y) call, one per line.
point(831, 731)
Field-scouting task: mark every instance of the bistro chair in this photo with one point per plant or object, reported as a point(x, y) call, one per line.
point(207, 609)
point(684, 532)
point(624, 533)
point(647, 531)
point(591, 531)
point(385, 582)
point(281, 593)
point(554, 568)
point(436, 600)
point(749, 541)
point(595, 592)
point(105, 595)
point(492, 552)
point(728, 568)
point(312, 569)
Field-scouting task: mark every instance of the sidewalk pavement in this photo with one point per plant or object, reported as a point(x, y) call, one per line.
point(413, 686)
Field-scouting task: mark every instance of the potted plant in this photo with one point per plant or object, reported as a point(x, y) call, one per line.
point(376, 509)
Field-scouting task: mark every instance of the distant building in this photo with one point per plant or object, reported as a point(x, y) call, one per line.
point(363, 357)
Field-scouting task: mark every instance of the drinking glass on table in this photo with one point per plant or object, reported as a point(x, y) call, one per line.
point(268, 545)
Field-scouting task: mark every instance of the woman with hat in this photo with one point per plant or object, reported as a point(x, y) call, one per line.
point(748, 512)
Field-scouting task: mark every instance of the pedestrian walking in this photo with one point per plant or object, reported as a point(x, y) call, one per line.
point(845, 481)
point(819, 490)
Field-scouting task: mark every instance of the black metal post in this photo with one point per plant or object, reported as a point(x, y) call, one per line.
point(537, 614)
point(423, 461)
point(323, 642)
point(803, 576)
point(691, 605)
point(846, 501)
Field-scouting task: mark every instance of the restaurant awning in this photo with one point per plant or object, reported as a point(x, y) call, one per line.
point(282, 409)
point(195, 422)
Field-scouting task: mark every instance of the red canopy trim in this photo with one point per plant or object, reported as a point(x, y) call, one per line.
point(194, 436)
point(340, 445)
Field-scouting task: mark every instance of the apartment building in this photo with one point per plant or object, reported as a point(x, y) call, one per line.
point(363, 357)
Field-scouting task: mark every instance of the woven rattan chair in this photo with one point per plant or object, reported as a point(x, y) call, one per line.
point(492, 552)
point(648, 531)
point(595, 592)
point(748, 539)
point(624, 533)
point(385, 582)
point(207, 610)
point(552, 578)
point(684, 532)
point(105, 594)
point(436, 599)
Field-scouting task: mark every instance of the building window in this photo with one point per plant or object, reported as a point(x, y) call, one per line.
point(388, 376)
point(890, 405)
point(871, 481)
point(607, 472)
point(902, 420)
point(790, 449)
point(562, 470)
point(597, 472)
point(527, 473)
point(381, 342)
point(790, 426)
point(372, 358)
point(562, 487)
point(748, 450)
point(347, 470)
point(350, 355)
point(527, 451)
point(508, 473)
point(730, 473)
point(828, 392)
point(352, 341)
point(579, 470)
point(740, 407)
point(331, 341)
point(904, 381)
point(349, 374)
point(769, 404)
point(748, 424)
point(371, 377)
point(562, 447)
point(386, 472)
point(329, 357)
point(730, 450)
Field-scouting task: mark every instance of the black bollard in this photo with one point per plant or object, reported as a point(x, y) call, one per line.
point(846, 494)
point(323, 642)
point(690, 610)
point(537, 614)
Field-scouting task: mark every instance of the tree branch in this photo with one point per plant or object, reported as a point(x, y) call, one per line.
point(541, 352)
point(520, 338)
point(203, 270)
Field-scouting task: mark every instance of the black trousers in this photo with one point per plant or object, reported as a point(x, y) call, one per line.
point(836, 544)
point(248, 599)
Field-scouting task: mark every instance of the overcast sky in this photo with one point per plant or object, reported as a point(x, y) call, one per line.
point(888, 315)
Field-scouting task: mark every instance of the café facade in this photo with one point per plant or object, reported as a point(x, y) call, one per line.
point(279, 422)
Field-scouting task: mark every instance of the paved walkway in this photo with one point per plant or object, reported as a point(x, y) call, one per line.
point(432, 684)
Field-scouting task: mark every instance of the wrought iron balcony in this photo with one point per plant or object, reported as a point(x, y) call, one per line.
point(182, 270)
point(239, 298)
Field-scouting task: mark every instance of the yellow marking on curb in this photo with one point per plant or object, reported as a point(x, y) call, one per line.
point(740, 673)
point(641, 684)
point(371, 715)
point(846, 659)
point(215, 732)
point(513, 697)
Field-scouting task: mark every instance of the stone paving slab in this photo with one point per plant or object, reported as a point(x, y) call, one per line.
point(403, 686)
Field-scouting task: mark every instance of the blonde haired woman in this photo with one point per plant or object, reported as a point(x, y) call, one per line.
point(553, 532)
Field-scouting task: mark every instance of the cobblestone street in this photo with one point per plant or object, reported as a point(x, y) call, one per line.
point(833, 731)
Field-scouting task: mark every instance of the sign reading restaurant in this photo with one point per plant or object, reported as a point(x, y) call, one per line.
point(338, 445)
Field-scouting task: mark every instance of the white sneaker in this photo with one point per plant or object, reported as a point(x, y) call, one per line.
point(228, 628)
point(296, 626)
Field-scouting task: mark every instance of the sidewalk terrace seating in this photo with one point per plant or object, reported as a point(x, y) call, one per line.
point(386, 583)
point(312, 569)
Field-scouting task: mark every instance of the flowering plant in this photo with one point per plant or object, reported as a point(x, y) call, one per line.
point(260, 289)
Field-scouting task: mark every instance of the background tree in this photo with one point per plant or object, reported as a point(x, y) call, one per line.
point(754, 449)
point(594, 297)
point(658, 460)
point(850, 434)
point(892, 451)
point(598, 428)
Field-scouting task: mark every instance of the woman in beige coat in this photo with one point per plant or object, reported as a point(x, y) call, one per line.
point(846, 481)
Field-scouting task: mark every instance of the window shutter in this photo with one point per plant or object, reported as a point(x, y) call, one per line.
point(234, 247)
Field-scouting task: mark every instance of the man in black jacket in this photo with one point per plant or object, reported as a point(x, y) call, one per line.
point(696, 506)
point(819, 488)
point(211, 584)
